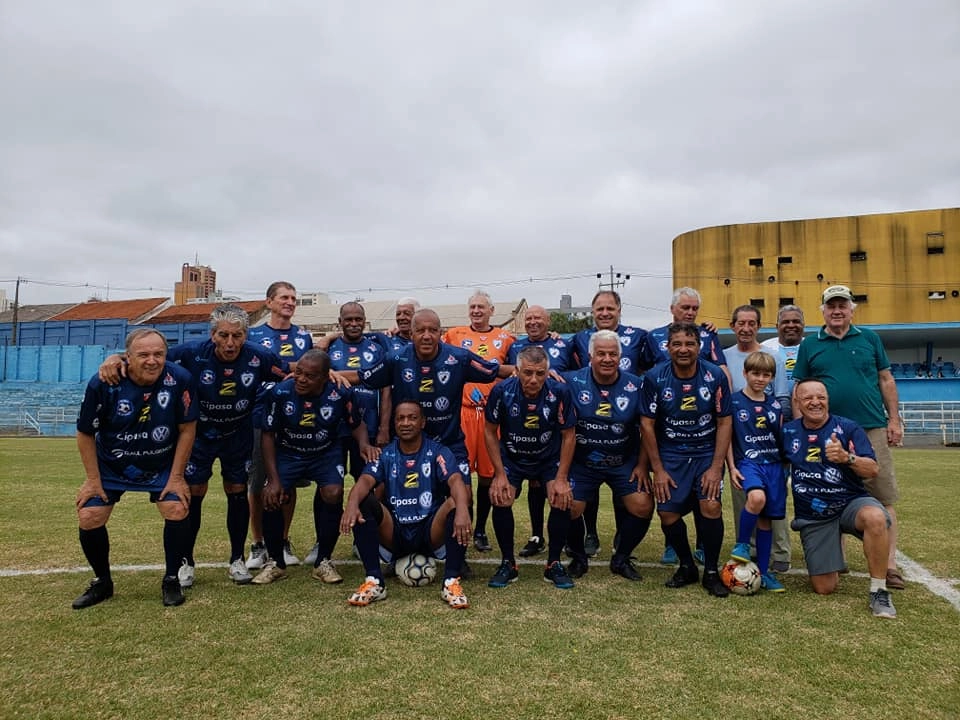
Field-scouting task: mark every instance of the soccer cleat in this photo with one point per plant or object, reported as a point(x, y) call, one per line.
point(481, 543)
point(578, 567)
point(172, 591)
point(768, 581)
point(369, 592)
point(714, 585)
point(741, 552)
point(669, 556)
point(698, 556)
point(258, 556)
point(238, 572)
point(556, 573)
point(97, 591)
point(683, 576)
point(535, 545)
point(881, 604)
point(453, 595)
point(288, 556)
point(623, 566)
point(326, 572)
point(591, 544)
point(505, 574)
point(186, 574)
point(311, 558)
point(269, 574)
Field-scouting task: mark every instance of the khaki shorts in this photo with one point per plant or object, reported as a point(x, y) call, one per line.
point(884, 486)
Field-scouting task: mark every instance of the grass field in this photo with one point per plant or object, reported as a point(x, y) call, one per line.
point(606, 649)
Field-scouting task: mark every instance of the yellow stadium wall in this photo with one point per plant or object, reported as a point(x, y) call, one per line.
point(897, 277)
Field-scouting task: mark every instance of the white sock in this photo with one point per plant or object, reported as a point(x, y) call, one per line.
point(878, 584)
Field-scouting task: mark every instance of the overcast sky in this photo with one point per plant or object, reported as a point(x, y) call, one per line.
point(379, 149)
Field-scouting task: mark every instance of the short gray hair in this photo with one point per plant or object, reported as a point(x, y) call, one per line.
point(790, 308)
point(688, 291)
point(229, 313)
point(140, 332)
point(532, 354)
point(604, 335)
point(409, 301)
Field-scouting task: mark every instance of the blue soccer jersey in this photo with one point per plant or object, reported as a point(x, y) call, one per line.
point(226, 392)
point(822, 489)
point(530, 428)
point(710, 349)
point(437, 384)
point(348, 356)
point(634, 356)
point(137, 427)
point(559, 351)
point(288, 344)
point(608, 420)
point(685, 410)
point(756, 429)
point(308, 425)
point(415, 485)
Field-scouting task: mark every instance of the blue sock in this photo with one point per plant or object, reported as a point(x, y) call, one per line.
point(748, 521)
point(764, 548)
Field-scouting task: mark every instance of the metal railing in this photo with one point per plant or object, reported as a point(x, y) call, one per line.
point(55, 421)
point(932, 418)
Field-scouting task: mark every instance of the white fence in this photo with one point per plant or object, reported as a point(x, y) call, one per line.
point(941, 419)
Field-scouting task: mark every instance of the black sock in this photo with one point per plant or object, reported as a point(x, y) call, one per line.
point(176, 539)
point(96, 547)
point(452, 566)
point(632, 531)
point(558, 527)
point(238, 517)
point(575, 538)
point(194, 518)
point(317, 513)
point(676, 536)
point(590, 514)
point(273, 535)
point(483, 508)
point(366, 535)
point(503, 528)
point(328, 531)
point(711, 530)
point(536, 497)
point(619, 512)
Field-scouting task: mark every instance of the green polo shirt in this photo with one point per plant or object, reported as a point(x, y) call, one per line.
point(848, 367)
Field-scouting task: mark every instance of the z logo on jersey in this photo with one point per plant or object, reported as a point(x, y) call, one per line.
point(761, 422)
point(604, 409)
point(688, 402)
point(426, 385)
point(144, 414)
point(413, 480)
point(531, 422)
point(229, 387)
point(813, 454)
point(308, 419)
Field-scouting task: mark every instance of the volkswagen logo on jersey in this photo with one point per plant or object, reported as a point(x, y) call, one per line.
point(207, 377)
point(163, 398)
point(442, 403)
point(624, 363)
point(443, 376)
point(242, 404)
point(616, 429)
point(545, 437)
point(426, 499)
point(160, 434)
point(247, 379)
point(326, 412)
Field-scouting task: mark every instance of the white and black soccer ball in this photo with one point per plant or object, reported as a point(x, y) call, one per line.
point(416, 570)
point(743, 578)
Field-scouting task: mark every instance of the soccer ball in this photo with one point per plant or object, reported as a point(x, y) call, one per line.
point(415, 570)
point(742, 578)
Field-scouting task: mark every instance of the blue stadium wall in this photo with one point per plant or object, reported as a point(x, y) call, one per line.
point(109, 333)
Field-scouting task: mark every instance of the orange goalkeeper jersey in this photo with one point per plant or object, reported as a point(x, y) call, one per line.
point(490, 345)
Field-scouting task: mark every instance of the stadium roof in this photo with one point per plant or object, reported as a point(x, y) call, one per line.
point(200, 312)
point(130, 310)
point(34, 313)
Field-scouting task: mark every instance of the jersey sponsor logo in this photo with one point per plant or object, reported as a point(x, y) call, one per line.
point(545, 437)
point(326, 412)
point(531, 422)
point(630, 387)
point(289, 408)
point(412, 480)
point(652, 408)
point(333, 396)
point(426, 385)
point(451, 360)
point(254, 361)
point(514, 411)
point(286, 350)
point(443, 376)
point(185, 398)
point(228, 372)
point(704, 393)
point(667, 394)
point(466, 342)
point(407, 375)
point(688, 402)
point(761, 423)
point(144, 414)
point(604, 409)
point(353, 362)
point(168, 380)
point(163, 399)
point(442, 403)
point(442, 463)
point(207, 377)
point(160, 434)
point(705, 419)
point(617, 428)
point(247, 379)
point(708, 376)
point(228, 388)
point(584, 397)
point(242, 404)
point(622, 402)
point(813, 454)
point(308, 419)
point(624, 363)
point(790, 364)
point(267, 343)
point(426, 499)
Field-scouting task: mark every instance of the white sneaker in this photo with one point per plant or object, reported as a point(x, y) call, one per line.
point(452, 594)
point(270, 573)
point(311, 558)
point(186, 574)
point(370, 591)
point(288, 557)
point(258, 556)
point(238, 572)
point(326, 572)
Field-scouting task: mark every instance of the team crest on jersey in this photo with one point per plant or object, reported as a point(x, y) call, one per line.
point(546, 413)
point(653, 407)
point(704, 393)
point(168, 380)
point(667, 394)
point(622, 402)
point(708, 376)
point(368, 356)
point(425, 469)
point(336, 355)
point(584, 397)
point(467, 343)
point(407, 375)
point(443, 376)
point(514, 411)
point(442, 403)
point(326, 412)
point(124, 407)
point(254, 361)
point(300, 343)
point(163, 398)
point(160, 434)
point(743, 415)
point(772, 416)
point(451, 360)
point(625, 341)
point(554, 353)
point(498, 344)
point(289, 408)
point(208, 377)
point(247, 379)
point(617, 428)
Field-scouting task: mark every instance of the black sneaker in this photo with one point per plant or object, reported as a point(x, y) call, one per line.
point(535, 545)
point(683, 576)
point(591, 544)
point(172, 592)
point(505, 574)
point(466, 572)
point(481, 543)
point(623, 566)
point(714, 585)
point(97, 591)
point(556, 573)
point(578, 567)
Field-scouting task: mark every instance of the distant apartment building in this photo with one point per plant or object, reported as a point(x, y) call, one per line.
point(4, 303)
point(196, 281)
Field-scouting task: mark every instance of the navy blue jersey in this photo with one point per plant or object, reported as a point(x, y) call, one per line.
point(307, 425)
point(559, 351)
point(822, 489)
point(415, 485)
point(289, 345)
point(710, 349)
point(137, 427)
point(608, 420)
point(756, 429)
point(345, 355)
point(436, 384)
point(226, 392)
point(685, 410)
point(530, 428)
point(634, 357)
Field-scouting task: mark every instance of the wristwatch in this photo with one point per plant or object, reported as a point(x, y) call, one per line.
point(851, 459)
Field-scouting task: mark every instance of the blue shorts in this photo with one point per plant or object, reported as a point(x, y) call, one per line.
point(771, 478)
point(586, 482)
point(686, 473)
point(115, 486)
point(234, 452)
point(323, 469)
point(413, 538)
point(542, 473)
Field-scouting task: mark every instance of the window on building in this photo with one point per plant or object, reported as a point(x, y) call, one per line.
point(786, 301)
point(858, 256)
point(784, 260)
point(756, 262)
point(859, 299)
point(936, 295)
point(757, 302)
point(935, 243)
point(934, 251)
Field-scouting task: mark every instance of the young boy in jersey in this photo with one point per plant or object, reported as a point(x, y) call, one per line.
point(755, 463)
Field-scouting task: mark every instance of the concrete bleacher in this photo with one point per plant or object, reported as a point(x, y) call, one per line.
point(35, 408)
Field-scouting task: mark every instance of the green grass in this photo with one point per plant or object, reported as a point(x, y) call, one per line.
point(606, 649)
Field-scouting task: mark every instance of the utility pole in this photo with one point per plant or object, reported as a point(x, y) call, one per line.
point(16, 311)
point(616, 280)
